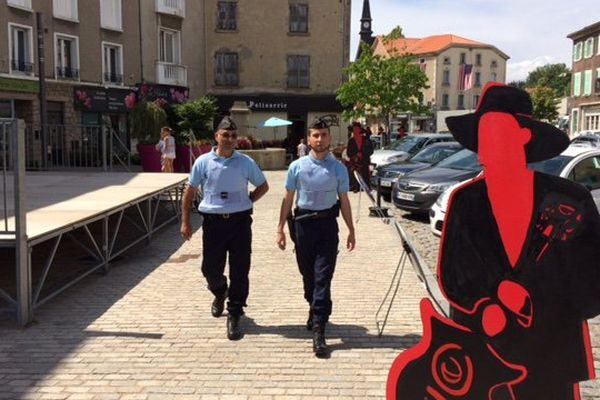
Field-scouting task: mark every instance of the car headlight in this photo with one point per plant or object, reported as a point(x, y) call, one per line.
point(440, 187)
point(442, 198)
point(391, 174)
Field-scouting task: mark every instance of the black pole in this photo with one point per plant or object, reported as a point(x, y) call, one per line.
point(42, 80)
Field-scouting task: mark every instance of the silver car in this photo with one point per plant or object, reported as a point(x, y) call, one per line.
point(401, 149)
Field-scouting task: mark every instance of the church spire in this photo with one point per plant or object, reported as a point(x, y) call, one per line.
point(366, 34)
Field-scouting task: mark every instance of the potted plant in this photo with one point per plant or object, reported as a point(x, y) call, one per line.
point(147, 118)
point(194, 118)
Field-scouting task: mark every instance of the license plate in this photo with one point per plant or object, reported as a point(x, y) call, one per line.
point(386, 183)
point(406, 196)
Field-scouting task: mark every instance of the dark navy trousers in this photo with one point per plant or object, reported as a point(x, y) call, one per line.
point(233, 236)
point(316, 253)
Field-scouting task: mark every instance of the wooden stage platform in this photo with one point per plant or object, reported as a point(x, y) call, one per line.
point(57, 201)
point(102, 214)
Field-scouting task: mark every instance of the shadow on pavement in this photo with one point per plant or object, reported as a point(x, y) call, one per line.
point(352, 336)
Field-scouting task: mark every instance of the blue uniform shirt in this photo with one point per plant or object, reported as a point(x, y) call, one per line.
point(224, 182)
point(317, 182)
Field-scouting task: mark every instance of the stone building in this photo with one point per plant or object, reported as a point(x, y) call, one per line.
point(584, 103)
point(288, 65)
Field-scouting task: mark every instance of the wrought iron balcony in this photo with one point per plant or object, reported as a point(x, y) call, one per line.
point(22, 66)
point(111, 77)
point(67, 73)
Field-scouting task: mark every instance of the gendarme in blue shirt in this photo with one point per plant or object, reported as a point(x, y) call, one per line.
point(317, 182)
point(224, 182)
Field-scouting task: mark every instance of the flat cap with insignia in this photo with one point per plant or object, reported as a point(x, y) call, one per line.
point(319, 123)
point(227, 123)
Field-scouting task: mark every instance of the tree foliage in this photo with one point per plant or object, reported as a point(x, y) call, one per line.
point(379, 86)
point(196, 115)
point(147, 119)
point(555, 76)
point(544, 103)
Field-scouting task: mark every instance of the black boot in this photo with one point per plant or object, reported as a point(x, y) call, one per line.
point(309, 321)
point(234, 332)
point(218, 305)
point(319, 345)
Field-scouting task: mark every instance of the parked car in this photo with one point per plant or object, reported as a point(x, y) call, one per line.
point(401, 149)
point(416, 192)
point(587, 139)
point(577, 163)
point(388, 174)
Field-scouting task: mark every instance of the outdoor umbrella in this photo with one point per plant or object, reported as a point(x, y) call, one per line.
point(274, 122)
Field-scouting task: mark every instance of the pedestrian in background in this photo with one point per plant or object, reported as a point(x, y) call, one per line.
point(302, 149)
point(226, 208)
point(166, 146)
point(322, 185)
point(359, 150)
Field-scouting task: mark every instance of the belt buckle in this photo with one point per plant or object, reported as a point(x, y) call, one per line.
point(225, 216)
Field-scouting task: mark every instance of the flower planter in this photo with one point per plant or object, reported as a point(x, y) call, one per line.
point(183, 162)
point(150, 157)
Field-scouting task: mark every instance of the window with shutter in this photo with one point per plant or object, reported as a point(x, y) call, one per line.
point(298, 18)
point(227, 15)
point(577, 84)
point(226, 69)
point(298, 71)
point(110, 14)
point(587, 82)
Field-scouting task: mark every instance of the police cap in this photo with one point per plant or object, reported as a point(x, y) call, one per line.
point(227, 124)
point(319, 123)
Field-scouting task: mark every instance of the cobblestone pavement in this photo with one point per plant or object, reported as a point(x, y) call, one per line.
point(144, 331)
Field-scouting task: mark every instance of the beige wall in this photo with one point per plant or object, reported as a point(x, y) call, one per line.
point(487, 56)
point(263, 47)
point(191, 30)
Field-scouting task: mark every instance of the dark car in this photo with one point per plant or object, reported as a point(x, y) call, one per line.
point(417, 191)
point(587, 139)
point(388, 174)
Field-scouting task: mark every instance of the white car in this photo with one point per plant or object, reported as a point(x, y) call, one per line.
point(579, 164)
point(401, 149)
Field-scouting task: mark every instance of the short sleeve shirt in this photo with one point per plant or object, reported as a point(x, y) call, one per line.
point(240, 169)
point(317, 182)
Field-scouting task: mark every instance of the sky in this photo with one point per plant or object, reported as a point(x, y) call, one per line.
point(531, 32)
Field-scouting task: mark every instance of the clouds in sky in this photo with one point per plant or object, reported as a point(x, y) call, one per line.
point(531, 32)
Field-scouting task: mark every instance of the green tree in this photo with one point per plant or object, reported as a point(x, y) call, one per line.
point(517, 84)
point(196, 115)
point(544, 103)
point(379, 86)
point(147, 119)
point(555, 76)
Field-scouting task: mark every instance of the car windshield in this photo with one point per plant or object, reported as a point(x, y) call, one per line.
point(433, 154)
point(464, 159)
point(552, 166)
point(405, 144)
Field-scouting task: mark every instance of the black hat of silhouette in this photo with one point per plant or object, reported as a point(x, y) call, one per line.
point(546, 141)
point(228, 124)
point(319, 123)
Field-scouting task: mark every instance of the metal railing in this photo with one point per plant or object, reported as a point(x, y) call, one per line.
point(171, 74)
point(172, 7)
point(76, 147)
point(67, 73)
point(13, 213)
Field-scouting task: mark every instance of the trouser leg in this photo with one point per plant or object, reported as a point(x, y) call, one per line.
point(213, 256)
point(324, 267)
point(239, 246)
point(305, 257)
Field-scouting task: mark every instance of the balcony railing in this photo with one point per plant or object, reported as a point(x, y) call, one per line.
point(171, 74)
point(171, 7)
point(111, 77)
point(22, 4)
point(67, 73)
point(21, 66)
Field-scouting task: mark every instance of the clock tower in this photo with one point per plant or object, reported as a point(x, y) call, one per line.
point(366, 33)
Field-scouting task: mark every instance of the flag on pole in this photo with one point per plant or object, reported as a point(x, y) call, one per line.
point(465, 77)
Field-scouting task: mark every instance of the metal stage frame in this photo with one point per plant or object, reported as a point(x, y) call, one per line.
point(101, 214)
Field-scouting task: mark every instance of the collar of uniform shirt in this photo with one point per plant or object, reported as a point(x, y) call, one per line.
point(235, 154)
point(328, 157)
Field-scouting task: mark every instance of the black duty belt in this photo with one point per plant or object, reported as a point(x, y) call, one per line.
point(226, 216)
point(301, 214)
